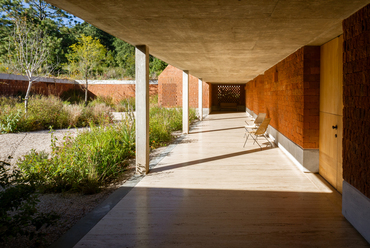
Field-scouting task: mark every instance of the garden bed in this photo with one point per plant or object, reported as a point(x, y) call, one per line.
point(73, 170)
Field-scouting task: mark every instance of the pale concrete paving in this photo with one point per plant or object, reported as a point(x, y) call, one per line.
point(211, 192)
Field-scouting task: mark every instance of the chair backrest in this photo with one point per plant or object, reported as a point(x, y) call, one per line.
point(263, 127)
point(260, 118)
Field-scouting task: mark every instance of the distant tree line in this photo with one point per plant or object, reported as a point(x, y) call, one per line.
point(63, 35)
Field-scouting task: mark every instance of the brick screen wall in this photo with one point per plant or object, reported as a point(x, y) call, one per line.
point(170, 89)
point(289, 94)
point(216, 98)
point(356, 100)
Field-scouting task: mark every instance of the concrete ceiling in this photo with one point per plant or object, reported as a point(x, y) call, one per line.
point(221, 41)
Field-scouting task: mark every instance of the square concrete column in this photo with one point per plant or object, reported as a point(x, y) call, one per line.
point(142, 108)
point(185, 102)
point(200, 98)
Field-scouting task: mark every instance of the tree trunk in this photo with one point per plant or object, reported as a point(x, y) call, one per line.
point(27, 96)
point(86, 87)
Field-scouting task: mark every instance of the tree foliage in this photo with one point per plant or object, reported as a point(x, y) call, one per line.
point(66, 29)
point(86, 56)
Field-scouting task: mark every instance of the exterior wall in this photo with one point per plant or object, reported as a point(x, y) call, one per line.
point(118, 91)
point(290, 96)
point(356, 100)
point(15, 84)
point(356, 120)
point(15, 87)
point(170, 89)
point(255, 89)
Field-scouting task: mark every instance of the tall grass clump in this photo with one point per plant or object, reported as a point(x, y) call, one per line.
point(83, 163)
point(163, 121)
point(46, 112)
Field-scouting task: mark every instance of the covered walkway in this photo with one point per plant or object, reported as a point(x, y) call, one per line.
point(211, 192)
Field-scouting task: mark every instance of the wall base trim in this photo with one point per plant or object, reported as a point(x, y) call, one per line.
point(356, 209)
point(307, 160)
point(205, 112)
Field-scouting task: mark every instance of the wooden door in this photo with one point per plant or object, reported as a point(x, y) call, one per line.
point(331, 112)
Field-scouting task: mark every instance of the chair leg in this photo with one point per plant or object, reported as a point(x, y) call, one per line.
point(255, 141)
point(246, 140)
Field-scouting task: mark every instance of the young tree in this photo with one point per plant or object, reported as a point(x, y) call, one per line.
point(86, 56)
point(125, 56)
point(28, 52)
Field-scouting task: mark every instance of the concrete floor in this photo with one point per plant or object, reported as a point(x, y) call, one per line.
point(211, 192)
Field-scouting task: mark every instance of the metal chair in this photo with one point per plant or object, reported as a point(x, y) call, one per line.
point(258, 120)
point(259, 132)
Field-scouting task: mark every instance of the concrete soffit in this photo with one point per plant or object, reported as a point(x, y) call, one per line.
point(218, 40)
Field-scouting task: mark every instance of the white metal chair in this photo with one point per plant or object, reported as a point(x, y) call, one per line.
point(259, 132)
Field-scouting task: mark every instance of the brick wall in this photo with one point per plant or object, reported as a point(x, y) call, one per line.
point(289, 94)
point(256, 95)
point(356, 100)
point(9, 87)
point(170, 89)
point(119, 91)
point(15, 87)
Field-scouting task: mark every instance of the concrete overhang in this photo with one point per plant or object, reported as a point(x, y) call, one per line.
point(220, 41)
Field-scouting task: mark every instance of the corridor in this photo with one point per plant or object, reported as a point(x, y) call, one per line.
point(211, 192)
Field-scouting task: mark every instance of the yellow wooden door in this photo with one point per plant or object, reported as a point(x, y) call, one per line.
point(331, 112)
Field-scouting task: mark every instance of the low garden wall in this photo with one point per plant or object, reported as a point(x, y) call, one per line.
point(11, 85)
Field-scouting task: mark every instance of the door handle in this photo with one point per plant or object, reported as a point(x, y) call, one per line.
point(335, 127)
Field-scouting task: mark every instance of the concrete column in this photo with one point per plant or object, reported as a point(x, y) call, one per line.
point(200, 98)
point(185, 102)
point(142, 108)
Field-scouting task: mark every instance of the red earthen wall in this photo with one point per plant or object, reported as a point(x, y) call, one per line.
point(356, 100)
point(119, 91)
point(14, 87)
point(256, 95)
point(170, 89)
point(289, 94)
point(116, 91)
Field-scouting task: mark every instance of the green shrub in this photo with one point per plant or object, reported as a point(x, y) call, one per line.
point(18, 212)
point(163, 121)
point(107, 100)
point(9, 123)
point(83, 163)
point(126, 105)
point(73, 96)
point(45, 112)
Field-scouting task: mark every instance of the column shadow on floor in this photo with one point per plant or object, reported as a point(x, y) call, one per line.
point(204, 160)
point(216, 130)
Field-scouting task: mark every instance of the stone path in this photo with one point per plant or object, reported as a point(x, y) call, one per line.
point(15, 145)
